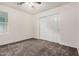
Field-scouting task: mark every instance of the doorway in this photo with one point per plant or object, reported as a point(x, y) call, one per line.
point(49, 28)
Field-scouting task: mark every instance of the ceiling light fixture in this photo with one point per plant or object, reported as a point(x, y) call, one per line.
point(31, 4)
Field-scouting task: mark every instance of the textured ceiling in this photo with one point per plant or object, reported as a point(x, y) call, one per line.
point(37, 8)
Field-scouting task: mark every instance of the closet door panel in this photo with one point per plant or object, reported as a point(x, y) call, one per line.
point(49, 28)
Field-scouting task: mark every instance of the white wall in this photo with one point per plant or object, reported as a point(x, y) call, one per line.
point(78, 27)
point(19, 25)
point(67, 23)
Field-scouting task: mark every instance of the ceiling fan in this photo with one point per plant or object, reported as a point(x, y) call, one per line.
point(31, 4)
point(20, 3)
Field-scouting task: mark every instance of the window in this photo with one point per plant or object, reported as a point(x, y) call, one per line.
point(3, 21)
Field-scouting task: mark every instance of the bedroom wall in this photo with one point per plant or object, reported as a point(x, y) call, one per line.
point(78, 26)
point(19, 25)
point(67, 23)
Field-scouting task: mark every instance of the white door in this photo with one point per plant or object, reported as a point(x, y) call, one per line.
point(49, 28)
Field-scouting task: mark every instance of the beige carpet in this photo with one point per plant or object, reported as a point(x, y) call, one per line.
point(34, 47)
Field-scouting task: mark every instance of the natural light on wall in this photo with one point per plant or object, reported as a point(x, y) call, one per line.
point(3, 21)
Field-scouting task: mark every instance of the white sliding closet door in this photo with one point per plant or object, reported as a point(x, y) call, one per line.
point(49, 28)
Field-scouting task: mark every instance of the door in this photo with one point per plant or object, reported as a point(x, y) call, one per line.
point(49, 28)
